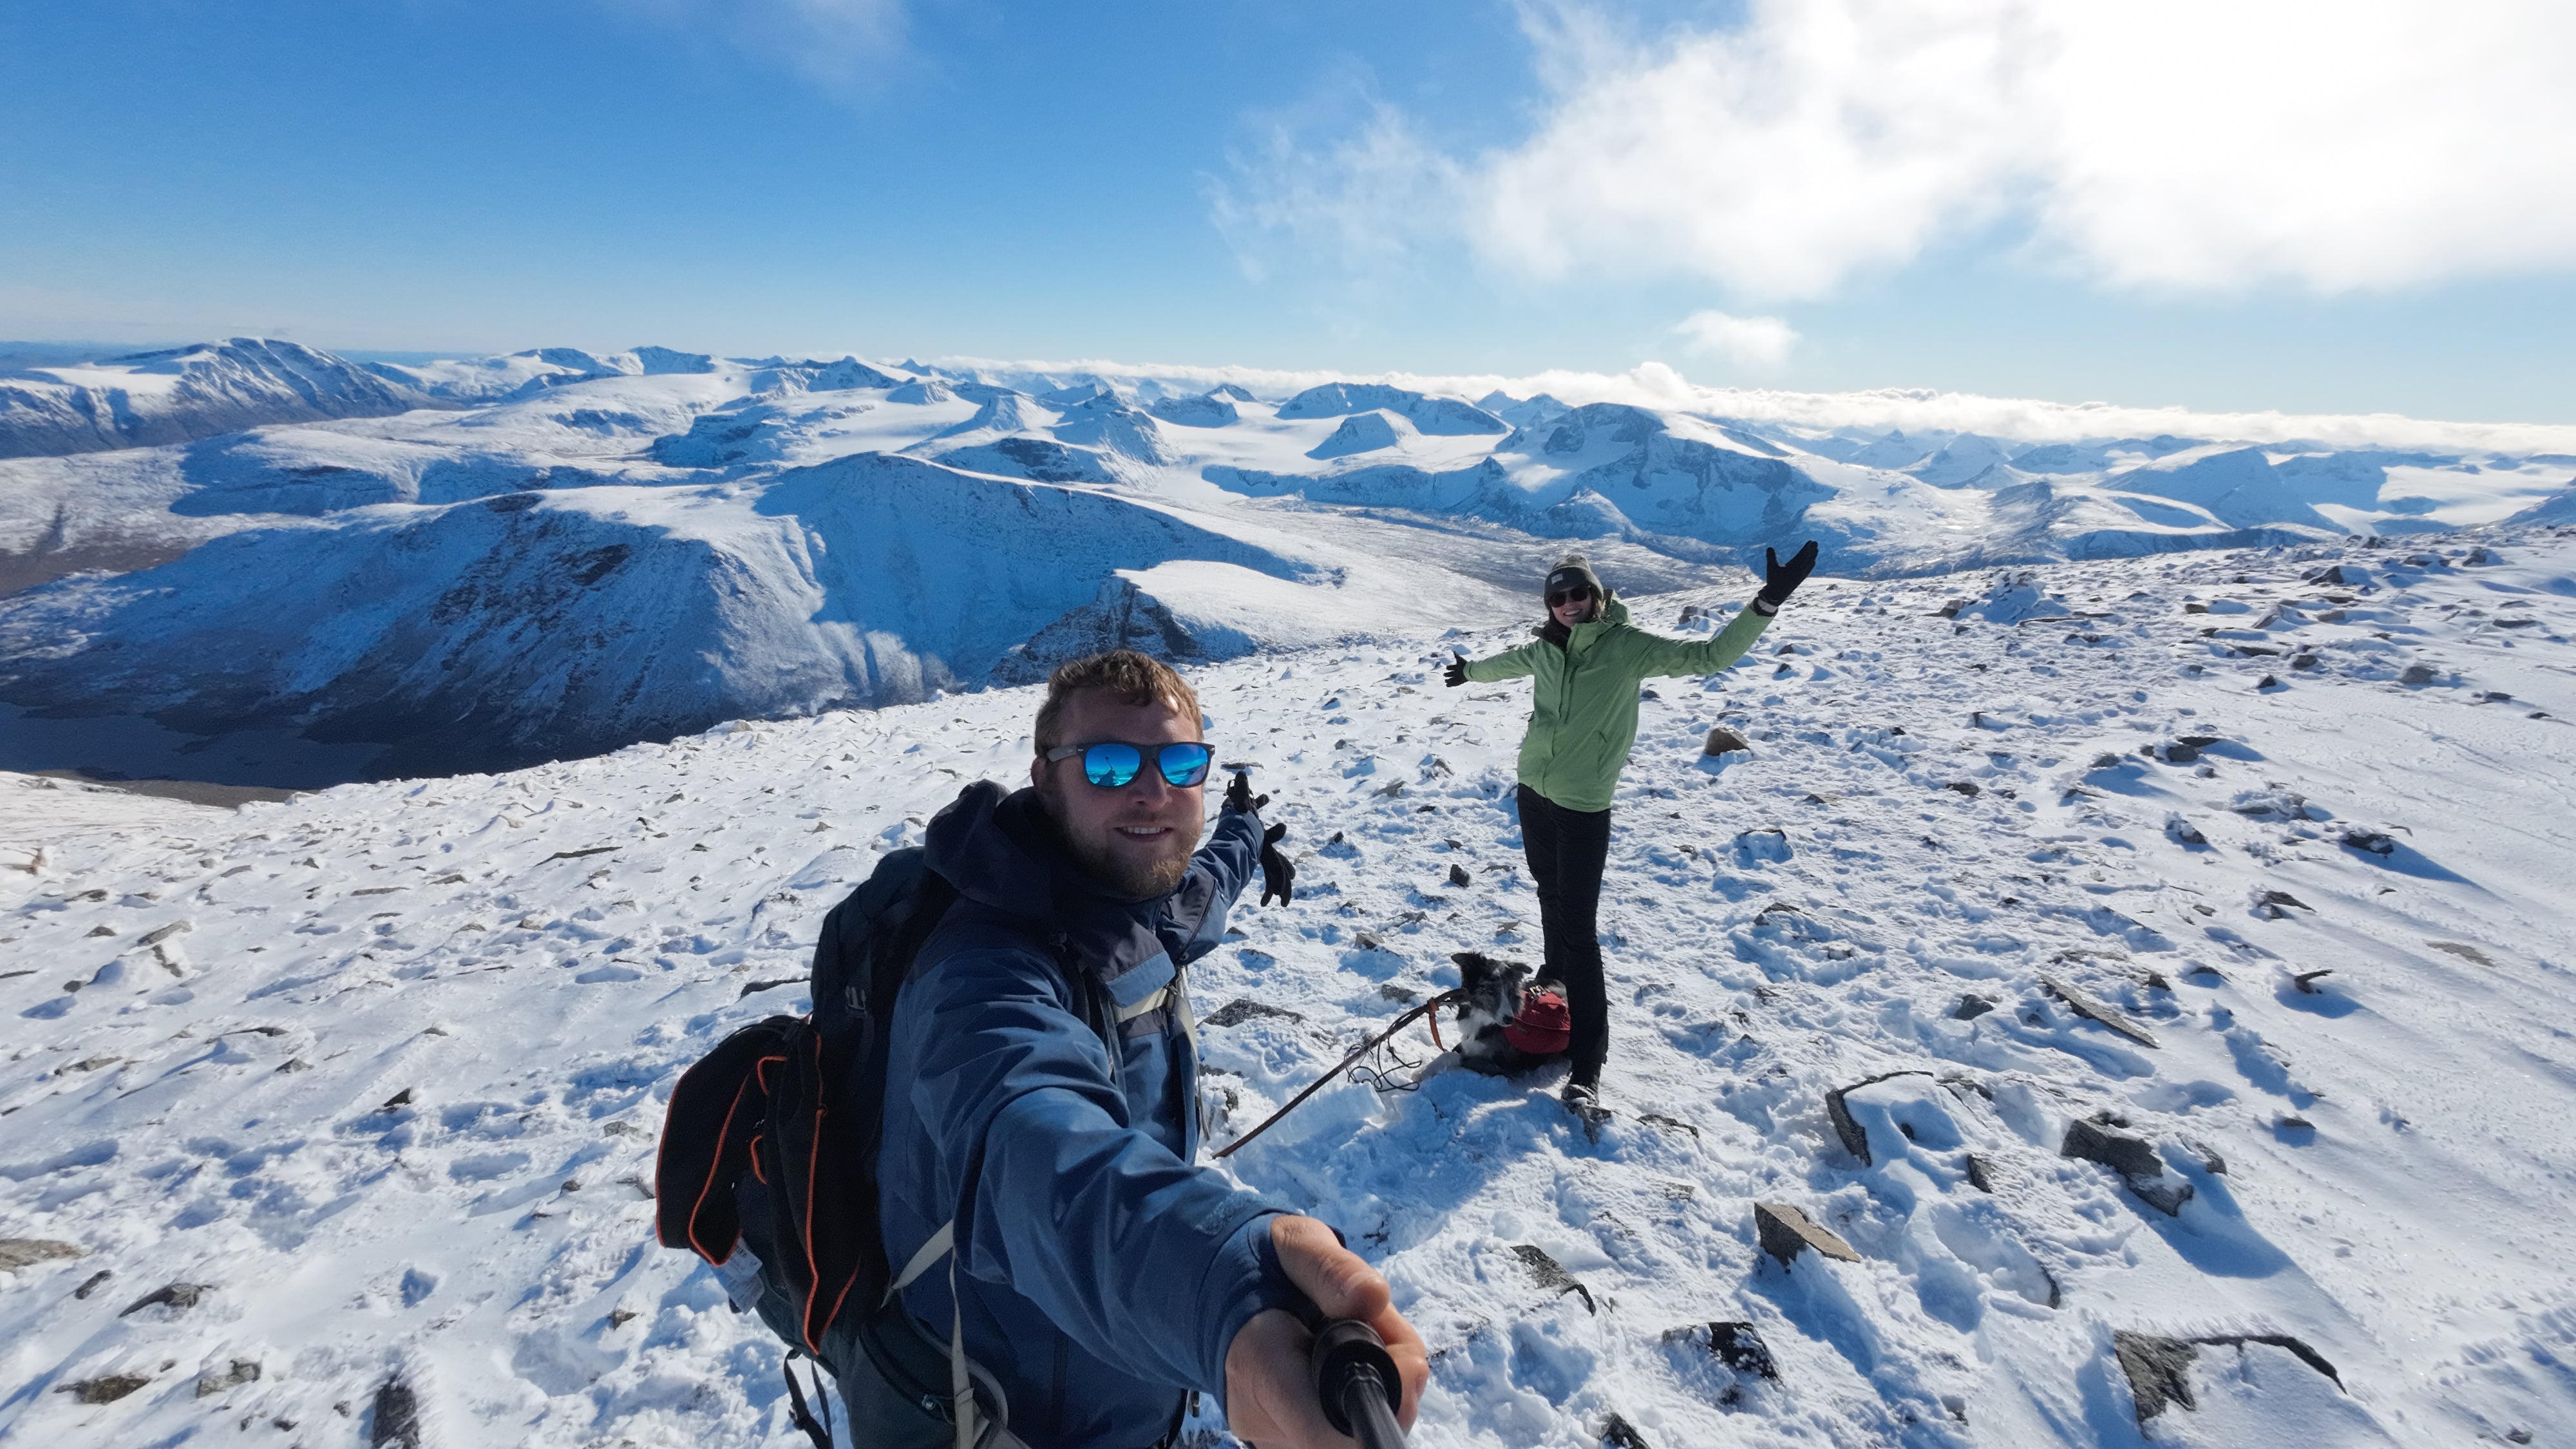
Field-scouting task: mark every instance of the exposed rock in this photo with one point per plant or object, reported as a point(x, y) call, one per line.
point(177, 1295)
point(92, 1281)
point(2371, 842)
point(1855, 1138)
point(2464, 951)
point(1964, 787)
point(2183, 831)
point(1244, 1008)
point(1551, 1274)
point(1734, 1344)
point(1971, 1006)
point(397, 1101)
point(396, 1420)
point(2134, 1159)
point(2270, 681)
point(1784, 1231)
point(2157, 1369)
point(2091, 1010)
point(2419, 674)
point(2278, 899)
point(1618, 1433)
point(2302, 979)
point(1721, 740)
point(232, 1375)
point(105, 1390)
point(16, 1253)
point(1981, 1172)
point(1458, 875)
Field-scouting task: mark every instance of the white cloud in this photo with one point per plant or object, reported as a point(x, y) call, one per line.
point(2188, 144)
point(840, 44)
point(1761, 343)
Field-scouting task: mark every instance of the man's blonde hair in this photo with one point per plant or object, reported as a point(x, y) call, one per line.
point(1137, 679)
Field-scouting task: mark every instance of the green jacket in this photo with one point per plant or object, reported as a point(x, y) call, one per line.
point(1583, 713)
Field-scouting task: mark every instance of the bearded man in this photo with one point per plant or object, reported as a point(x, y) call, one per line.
point(1041, 1114)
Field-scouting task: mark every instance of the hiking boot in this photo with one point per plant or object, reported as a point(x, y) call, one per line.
point(1583, 1099)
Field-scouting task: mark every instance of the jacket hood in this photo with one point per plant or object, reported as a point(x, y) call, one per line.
point(1001, 850)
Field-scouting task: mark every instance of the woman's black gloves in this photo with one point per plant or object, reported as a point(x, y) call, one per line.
point(1780, 580)
point(1239, 796)
point(1457, 674)
point(1278, 877)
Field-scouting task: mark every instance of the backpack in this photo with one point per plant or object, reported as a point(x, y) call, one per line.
point(1543, 1026)
point(767, 1164)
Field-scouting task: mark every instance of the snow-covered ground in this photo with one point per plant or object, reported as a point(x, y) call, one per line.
point(332, 1110)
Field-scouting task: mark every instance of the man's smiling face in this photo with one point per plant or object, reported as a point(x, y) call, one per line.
point(1136, 839)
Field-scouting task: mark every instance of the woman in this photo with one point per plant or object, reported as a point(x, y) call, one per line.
point(1583, 719)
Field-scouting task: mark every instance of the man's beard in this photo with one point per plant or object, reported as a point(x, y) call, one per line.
point(1129, 879)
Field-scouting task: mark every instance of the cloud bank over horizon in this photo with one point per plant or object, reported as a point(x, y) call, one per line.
point(2194, 147)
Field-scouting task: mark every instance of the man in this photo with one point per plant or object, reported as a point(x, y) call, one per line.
point(1583, 720)
point(1099, 1276)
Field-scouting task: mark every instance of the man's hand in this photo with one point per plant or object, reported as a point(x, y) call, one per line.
point(1278, 877)
point(1457, 672)
point(1269, 1398)
point(1780, 580)
point(1239, 796)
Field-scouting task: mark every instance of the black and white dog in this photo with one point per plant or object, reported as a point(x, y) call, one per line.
point(1506, 1026)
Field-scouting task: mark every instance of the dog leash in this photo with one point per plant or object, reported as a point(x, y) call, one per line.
point(1431, 1007)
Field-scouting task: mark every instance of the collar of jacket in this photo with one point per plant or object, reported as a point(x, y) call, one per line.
point(1002, 852)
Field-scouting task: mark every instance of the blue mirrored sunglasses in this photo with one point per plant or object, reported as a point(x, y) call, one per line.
point(1114, 764)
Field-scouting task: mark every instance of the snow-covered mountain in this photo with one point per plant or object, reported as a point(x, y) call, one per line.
point(193, 392)
point(559, 551)
point(2156, 972)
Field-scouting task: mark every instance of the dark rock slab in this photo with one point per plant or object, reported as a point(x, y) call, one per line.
point(1785, 1231)
point(396, 1419)
point(2094, 1011)
point(177, 1295)
point(1551, 1274)
point(219, 1379)
point(1981, 1172)
point(1458, 875)
point(106, 1390)
point(1722, 740)
point(2133, 1158)
point(1618, 1433)
point(1244, 1008)
point(2158, 1370)
point(1855, 1138)
point(1971, 1006)
point(16, 1253)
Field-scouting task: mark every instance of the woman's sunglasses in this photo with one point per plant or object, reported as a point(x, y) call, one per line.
point(1569, 596)
point(1115, 764)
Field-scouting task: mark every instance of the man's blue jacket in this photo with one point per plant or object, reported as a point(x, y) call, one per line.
point(1103, 1273)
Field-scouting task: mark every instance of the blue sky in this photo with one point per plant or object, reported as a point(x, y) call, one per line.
point(2220, 212)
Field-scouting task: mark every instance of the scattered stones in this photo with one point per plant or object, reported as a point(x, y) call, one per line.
point(1981, 1172)
point(92, 1282)
point(1551, 1274)
point(2464, 951)
point(2302, 979)
point(2370, 842)
point(102, 930)
point(620, 1317)
point(1394, 790)
point(176, 1295)
point(2270, 681)
point(2273, 901)
point(1964, 787)
point(1734, 1344)
point(1660, 1120)
point(105, 1390)
point(396, 1102)
point(2419, 674)
point(1971, 1006)
point(1458, 875)
point(2091, 1010)
point(2133, 1158)
point(16, 1253)
point(1785, 1231)
point(2183, 831)
point(1243, 1009)
point(231, 1376)
point(1367, 942)
point(163, 933)
point(1722, 740)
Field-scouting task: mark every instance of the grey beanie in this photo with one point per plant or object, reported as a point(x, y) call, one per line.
point(1572, 570)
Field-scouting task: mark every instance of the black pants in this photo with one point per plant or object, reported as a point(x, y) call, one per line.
point(1567, 849)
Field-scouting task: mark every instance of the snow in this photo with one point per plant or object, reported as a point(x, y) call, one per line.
point(380, 1066)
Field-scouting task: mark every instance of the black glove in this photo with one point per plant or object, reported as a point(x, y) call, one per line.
point(1239, 796)
point(1457, 674)
point(1278, 877)
point(1780, 580)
